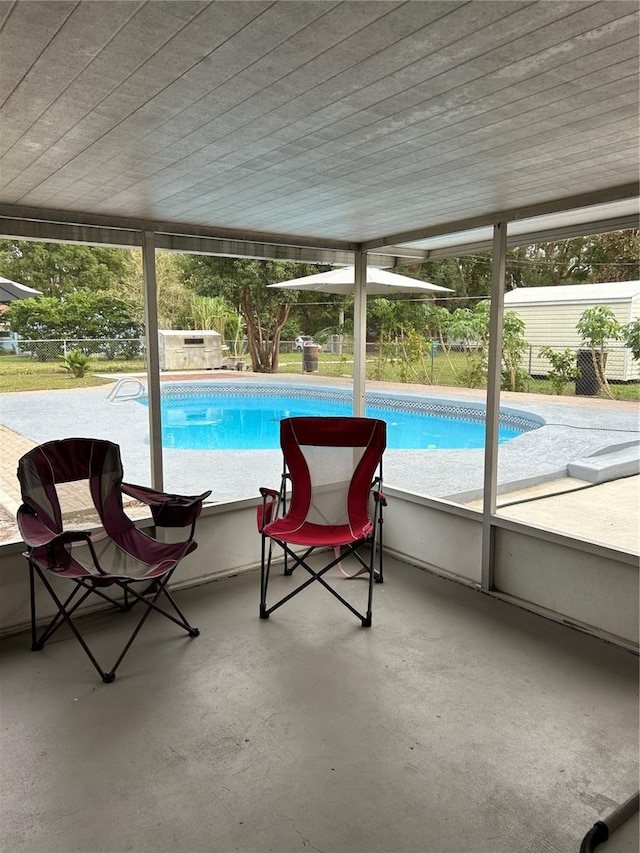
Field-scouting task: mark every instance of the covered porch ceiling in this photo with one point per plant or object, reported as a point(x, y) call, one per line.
point(311, 129)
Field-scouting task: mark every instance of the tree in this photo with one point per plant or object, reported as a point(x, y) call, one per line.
point(596, 327)
point(244, 283)
point(314, 313)
point(35, 318)
point(468, 276)
point(514, 347)
point(613, 256)
point(383, 316)
point(57, 269)
point(173, 296)
point(631, 337)
point(82, 314)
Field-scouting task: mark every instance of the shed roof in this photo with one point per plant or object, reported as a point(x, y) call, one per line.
point(612, 291)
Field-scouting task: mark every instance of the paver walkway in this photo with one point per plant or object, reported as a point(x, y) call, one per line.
point(12, 447)
point(75, 500)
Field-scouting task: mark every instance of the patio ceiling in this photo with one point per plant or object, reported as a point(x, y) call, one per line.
point(321, 124)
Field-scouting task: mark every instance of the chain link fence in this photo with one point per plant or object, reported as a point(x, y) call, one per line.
point(51, 349)
point(589, 372)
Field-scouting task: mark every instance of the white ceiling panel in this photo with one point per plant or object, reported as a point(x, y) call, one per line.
point(354, 121)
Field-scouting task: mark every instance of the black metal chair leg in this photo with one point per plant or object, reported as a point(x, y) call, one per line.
point(191, 631)
point(265, 569)
point(58, 619)
point(35, 646)
point(380, 575)
point(70, 623)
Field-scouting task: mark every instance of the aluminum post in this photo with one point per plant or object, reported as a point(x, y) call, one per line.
point(494, 375)
point(359, 334)
point(153, 359)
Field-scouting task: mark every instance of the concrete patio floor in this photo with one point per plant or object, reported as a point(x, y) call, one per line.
point(456, 724)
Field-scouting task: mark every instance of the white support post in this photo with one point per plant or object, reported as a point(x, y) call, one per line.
point(498, 265)
point(360, 334)
point(153, 358)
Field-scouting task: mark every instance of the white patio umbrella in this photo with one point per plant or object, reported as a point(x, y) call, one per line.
point(378, 282)
point(10, 290)
point(342, 281)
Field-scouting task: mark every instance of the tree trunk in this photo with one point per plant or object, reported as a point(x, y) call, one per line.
point(263, 343)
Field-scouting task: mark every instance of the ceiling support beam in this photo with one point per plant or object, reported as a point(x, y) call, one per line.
point(528, 238)
point(182, 229)
point(556, 206)
point(121, 238)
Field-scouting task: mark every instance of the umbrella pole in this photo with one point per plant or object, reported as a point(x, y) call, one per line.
point(360, 334)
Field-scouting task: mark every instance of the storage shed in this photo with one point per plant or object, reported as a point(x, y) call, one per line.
point(551, 315)
point(189, 350)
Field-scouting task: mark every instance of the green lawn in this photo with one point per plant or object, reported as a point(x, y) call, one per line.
point(19, 373)
point(449, 370)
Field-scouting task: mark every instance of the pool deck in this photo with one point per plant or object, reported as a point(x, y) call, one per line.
point(531, 465)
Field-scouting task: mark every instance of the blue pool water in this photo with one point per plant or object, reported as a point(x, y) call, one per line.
point(250, 421)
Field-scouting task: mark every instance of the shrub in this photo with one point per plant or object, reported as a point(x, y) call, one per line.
point(77, 362)
point(563, 367)
point(596, 327)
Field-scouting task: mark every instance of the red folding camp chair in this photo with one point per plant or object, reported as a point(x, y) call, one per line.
point(334, 468)
point(119, 558)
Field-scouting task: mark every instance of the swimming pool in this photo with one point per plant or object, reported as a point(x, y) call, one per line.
point(201, 416)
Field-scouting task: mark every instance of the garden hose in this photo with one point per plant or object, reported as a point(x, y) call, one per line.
point(602, 829)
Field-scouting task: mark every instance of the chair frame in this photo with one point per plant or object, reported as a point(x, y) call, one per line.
point(148, 597)
point(274, 507)
point(46, 543)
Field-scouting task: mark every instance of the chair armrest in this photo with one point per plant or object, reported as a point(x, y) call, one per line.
point(58, 554)
point(270, 499)
point(376, 491)
point(33, 530)
point(168, 510)
point(37, 535)
point(380, 497)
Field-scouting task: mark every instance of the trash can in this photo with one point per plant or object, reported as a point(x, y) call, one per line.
point(310, 358)
point(587, 384)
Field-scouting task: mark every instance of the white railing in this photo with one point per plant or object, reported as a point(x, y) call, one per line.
point(118, 394)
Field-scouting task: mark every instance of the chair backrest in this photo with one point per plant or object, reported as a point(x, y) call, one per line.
point(68, 460)
point(332, 462)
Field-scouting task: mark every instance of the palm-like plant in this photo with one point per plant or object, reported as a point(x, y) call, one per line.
point(76, 362)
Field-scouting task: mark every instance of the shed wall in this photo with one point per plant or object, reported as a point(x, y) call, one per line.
point(554, 324)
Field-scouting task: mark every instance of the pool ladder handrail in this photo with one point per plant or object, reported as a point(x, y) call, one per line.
point(115, 395)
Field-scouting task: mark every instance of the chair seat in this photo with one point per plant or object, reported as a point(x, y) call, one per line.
point(316, 535)
point(78, 562)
